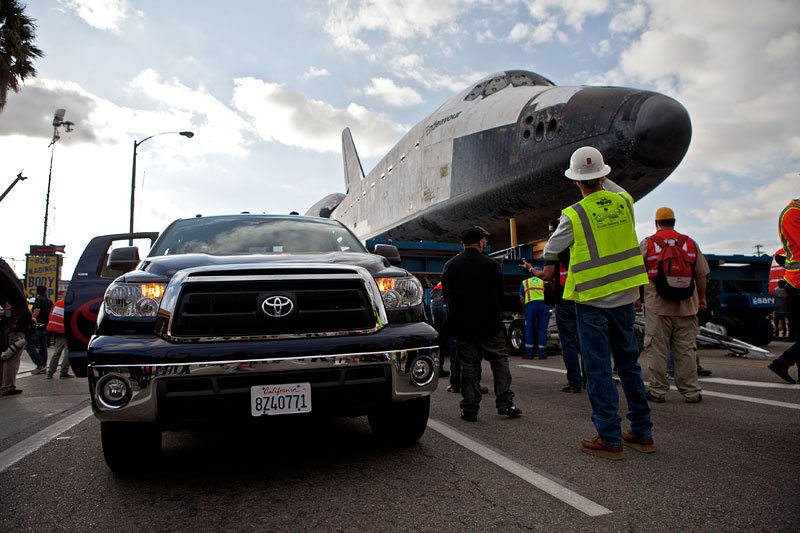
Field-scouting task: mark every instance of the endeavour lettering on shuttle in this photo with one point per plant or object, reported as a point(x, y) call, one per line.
point(448, 118)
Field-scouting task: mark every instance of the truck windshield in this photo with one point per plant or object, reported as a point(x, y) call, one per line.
point(253, 234)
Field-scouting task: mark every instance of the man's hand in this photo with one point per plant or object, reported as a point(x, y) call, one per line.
point(702, 305)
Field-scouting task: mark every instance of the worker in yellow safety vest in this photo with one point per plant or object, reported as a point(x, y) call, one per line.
point(605, 272)
point(537, 317)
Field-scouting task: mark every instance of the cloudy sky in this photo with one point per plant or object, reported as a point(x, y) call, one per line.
point(267, 88)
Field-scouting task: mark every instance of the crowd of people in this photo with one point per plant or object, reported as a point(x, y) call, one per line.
point(597, 274)
point(29, 329)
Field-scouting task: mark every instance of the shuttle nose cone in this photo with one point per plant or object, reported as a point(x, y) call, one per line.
point(662, 132)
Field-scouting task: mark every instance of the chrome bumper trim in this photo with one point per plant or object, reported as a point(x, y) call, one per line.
point(142, 378)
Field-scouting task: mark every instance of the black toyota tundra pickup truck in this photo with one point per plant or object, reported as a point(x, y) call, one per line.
point(246, 317)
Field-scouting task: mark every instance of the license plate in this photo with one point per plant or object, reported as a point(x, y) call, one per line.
point(284, 399)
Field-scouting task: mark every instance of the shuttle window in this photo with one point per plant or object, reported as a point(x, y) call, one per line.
point(389, 170)
point(403, 157)
point(526, 134)
point(495, 85)
point(517, 78)
point(383, 175)
point(539, 134)
point(416, 145)
point(529, 120)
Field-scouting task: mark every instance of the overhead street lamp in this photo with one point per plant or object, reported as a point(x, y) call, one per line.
point(187, 134)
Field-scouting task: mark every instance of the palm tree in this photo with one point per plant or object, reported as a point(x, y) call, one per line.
point(17, 50)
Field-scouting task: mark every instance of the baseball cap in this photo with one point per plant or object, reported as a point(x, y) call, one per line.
point(665, 213)
point(474, 235)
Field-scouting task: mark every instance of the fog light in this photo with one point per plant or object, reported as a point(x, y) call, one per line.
point(422, 370)
point(113, 391)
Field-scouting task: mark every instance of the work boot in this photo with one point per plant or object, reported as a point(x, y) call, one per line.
point(595, 446)
point(782, 370)
point(640, 444)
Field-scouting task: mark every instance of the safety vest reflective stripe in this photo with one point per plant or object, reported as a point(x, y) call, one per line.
point(603, 221)
point(55, 323)
point(790, 221)
point(534, 289)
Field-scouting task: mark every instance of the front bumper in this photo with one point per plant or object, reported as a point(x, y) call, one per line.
point(178, 384)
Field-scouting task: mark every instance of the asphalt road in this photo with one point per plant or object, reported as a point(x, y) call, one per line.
point(730, 463)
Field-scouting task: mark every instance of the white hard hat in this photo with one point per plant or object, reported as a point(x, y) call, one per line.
point(586, 164)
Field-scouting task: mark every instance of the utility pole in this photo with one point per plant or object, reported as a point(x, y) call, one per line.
point(758, 248)
point(58, 121)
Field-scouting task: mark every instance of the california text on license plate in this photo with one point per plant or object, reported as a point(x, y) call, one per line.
point(283, 399)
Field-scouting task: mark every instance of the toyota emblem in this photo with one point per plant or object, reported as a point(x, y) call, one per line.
point(277, 306)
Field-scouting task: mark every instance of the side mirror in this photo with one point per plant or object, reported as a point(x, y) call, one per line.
point(388, 251)
point(124, 259)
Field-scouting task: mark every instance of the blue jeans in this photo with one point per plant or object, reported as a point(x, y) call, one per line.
point(37, 347)
point(568, 337)
point(603, 332)
point(537, 318)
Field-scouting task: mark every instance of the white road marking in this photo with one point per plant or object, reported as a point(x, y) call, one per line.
point(548, 369)
point(721, 381)
point(34, 442)
point(743, 383)
point(539, 481)
point(762, 401)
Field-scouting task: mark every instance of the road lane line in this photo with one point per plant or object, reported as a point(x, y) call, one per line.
point(539, 481)
point(34, 442)
point(548, 369)
point(762, 384)
point(773, 403)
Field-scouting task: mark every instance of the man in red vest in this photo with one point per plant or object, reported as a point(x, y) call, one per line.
point(55, 326)
point(789, 230)
point(671, 324)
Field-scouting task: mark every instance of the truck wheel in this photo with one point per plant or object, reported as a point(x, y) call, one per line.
point(763, 332)
point(130, 447)
point(401, 423)
point(515, 339)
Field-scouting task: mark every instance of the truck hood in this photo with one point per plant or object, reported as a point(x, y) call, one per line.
point(167, 266)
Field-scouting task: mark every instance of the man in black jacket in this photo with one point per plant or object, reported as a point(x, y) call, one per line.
point(473, 288)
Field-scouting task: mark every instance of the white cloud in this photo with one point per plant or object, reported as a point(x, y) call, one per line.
point(292, 119)
point(761, 203)
point(629, 19)
point(104, 15)
point(314, 72)
point(385, 90)
point(735, 70)
point(398, 19)
point(575, 12)
point(218, 129)
point(602, 49)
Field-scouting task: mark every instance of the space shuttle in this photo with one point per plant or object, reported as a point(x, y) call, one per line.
point(494, 155)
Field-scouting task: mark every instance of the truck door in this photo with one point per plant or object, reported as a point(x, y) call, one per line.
point(86, 288)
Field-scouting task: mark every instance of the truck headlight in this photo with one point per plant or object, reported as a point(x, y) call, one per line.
point(133, 299)
point(400, 292)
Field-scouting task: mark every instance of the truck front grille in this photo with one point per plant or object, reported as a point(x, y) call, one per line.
point(234, 306)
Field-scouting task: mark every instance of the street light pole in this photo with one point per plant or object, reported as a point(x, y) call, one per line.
point(136, 144)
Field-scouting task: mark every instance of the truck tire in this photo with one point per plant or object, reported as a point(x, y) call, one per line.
point(402, 423)
point(762, 334)
point(130, 447)
point(515, 337)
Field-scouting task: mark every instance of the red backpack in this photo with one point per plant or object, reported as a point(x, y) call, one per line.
point(675, 278)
